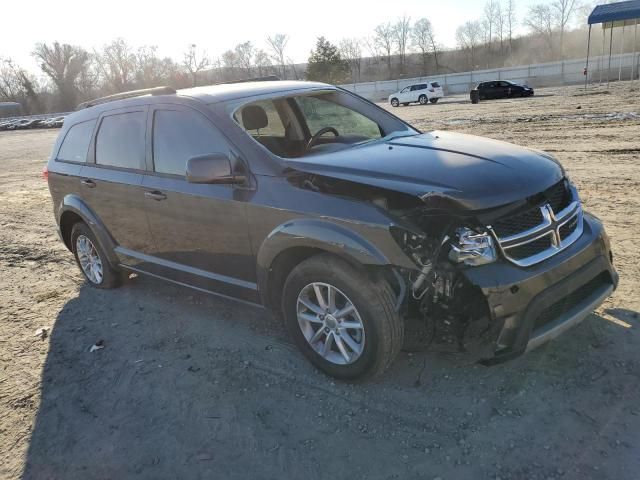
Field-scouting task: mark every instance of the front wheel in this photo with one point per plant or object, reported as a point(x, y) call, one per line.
point(394, 102)
point(342, 319)
point(422, 99)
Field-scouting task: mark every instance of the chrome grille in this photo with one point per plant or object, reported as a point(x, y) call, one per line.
point(558, 223)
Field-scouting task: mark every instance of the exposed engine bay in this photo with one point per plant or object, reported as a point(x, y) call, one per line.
point(442, 309)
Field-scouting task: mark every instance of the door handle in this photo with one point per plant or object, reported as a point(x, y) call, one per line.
point(155, 195)
point(88, 183)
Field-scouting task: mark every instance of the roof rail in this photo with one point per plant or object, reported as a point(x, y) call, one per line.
point(131, 94)
point(268, 78)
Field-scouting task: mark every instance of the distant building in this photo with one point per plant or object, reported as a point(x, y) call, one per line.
point(10, 109)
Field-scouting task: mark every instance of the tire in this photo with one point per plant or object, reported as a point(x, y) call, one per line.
point(422, 99)
point(394, 102)
point(433, 100)
point(382, 328)
point(109, 277)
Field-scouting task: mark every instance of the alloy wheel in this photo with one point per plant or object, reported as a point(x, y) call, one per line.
point(89, 259)
point(330, 323)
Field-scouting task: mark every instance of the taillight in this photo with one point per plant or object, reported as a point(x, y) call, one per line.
point(45, 173)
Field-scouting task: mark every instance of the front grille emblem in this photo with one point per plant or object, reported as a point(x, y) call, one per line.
point(550, 228)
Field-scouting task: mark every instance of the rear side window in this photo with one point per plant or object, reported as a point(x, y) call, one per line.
point(75, 145)
point(179, 135)
point(435, 84)
point(120, 140)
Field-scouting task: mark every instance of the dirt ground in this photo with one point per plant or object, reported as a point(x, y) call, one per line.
point(191, 386)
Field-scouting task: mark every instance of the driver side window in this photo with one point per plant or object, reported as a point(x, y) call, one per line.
point(320, 113)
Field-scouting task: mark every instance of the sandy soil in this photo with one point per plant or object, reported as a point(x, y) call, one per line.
point(190, 386)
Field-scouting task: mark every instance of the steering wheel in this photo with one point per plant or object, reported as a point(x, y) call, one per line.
point(314, 138)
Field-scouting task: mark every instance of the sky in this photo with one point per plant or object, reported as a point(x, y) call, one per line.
point(214, 25)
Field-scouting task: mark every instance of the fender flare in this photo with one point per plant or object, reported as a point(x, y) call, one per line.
point(313, 233)
point(73, 203)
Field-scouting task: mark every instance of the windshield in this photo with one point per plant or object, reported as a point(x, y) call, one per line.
point(317, 123)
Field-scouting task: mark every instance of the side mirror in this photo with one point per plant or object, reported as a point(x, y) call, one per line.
point(212, 168)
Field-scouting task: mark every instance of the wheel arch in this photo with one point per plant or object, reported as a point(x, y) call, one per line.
point(72, 210)
point(295, 241)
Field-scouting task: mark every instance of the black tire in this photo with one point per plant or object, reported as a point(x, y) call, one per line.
point(433, 100)
point(374, 300)
point(422, 99)
point(394, 102)
point(110, 278)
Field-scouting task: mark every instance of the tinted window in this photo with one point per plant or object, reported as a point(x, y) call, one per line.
point(75, 145)
point(435, 84)
point(179, 135)
point(120, 140)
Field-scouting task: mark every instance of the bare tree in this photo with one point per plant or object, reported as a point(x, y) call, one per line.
point(262, 62)
point(423, 38)
point(564, 11)
point(540, 21)
point(17, 85)
point(89, 79)
point(244, 54)
point(63, 64)
point(511, 19)
point(490, 20)
point(351, 51)
point(501, 23)
point(469, 36)
point(195, 63)
point(277, 44)
point(117, 63)
point(152, 70)
point(230, 62)
point(401, 31)
point(10, 87)
point(383, 38)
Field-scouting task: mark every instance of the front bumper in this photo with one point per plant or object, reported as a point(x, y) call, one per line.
point(530, 306)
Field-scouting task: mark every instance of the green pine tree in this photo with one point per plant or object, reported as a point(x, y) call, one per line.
point(326, 64)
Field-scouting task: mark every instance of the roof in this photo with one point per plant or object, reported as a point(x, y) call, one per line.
point(231, 91)
point(615, 12)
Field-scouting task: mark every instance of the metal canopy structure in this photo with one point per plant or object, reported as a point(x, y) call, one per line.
point(613, 15)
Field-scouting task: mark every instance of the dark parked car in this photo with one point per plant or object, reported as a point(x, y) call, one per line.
point(332, 213)
point(502, 89)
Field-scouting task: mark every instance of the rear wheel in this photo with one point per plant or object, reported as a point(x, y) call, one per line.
point(433, 100)
point(342, 320)
point(91, 258)
point(422, 99)
point(394, 102)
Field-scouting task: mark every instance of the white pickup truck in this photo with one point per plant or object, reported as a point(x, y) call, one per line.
point(420, 93)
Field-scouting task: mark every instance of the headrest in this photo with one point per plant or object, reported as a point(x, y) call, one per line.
point(254, 117)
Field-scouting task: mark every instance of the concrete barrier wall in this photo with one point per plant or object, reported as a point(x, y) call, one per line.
point(568, 72)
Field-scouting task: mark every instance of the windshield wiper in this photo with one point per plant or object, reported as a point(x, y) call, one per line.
point(386, 138)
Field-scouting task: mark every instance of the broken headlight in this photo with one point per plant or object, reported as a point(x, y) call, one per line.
point(472, 248)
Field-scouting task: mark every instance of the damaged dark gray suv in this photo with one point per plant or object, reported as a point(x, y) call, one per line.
point(360, 231)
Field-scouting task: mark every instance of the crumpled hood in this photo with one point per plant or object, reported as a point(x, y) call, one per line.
point(473, 172)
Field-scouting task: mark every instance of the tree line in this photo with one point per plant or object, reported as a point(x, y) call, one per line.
point(395, 49)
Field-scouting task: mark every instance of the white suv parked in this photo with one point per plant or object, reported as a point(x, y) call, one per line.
point(421, 93)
